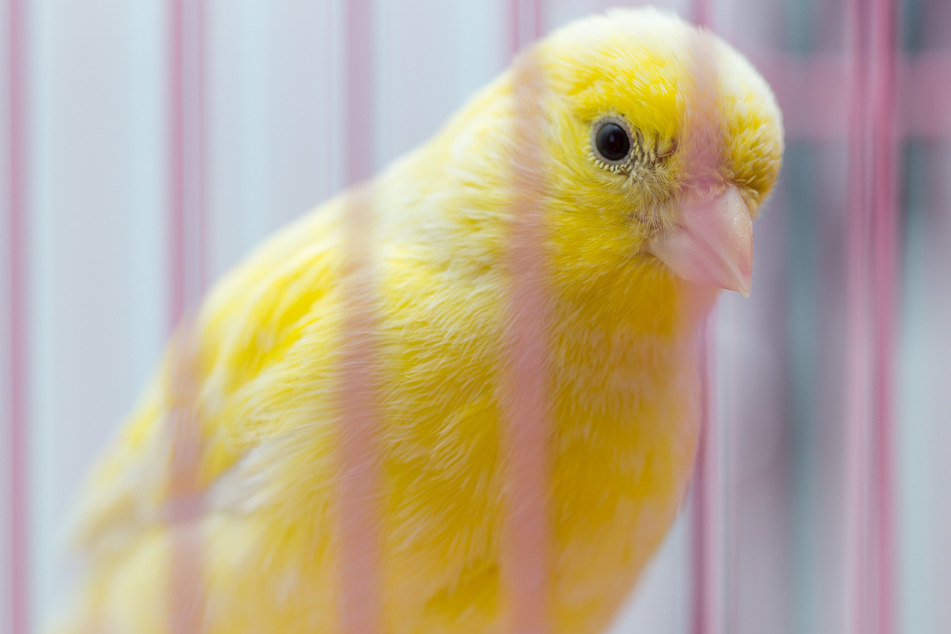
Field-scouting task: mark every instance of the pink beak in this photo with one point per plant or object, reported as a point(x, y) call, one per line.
point(712, 243)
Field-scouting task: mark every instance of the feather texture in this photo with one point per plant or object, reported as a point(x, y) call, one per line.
point(622, 368)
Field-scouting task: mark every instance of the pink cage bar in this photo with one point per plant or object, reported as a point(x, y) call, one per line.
point(186, 278)
point(17, 553)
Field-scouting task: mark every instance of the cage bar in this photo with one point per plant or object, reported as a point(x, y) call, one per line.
point(186, 270)
point(177, 166)
point(526, 564)
point(186, 504)
point(526, 534)
point(527, 20)
point(361, 591)
point(17, 433)
point(884, 294)
point(706, 512)
point(709, 512)
point(856, 537)
point(360, 598)
point(187, 221)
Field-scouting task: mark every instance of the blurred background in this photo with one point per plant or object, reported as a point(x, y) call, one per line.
point(147, 145)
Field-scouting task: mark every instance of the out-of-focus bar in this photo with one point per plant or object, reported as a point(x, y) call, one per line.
point(19, 577)
point(176, 193)
point(525, 564)
point(526, 535)
point(527, 19)
point(710, 531)
point(858, 394)
point(186, 194)
point(359, 108)
point(186, 222)
point(884, 296)
point(360, 599)
point(872, 260)
point(707, 600)
point(186, 505)
point(358, 531)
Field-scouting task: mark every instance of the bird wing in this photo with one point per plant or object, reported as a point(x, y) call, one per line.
point(245, 344)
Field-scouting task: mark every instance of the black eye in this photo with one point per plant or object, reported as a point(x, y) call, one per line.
point(612, 142)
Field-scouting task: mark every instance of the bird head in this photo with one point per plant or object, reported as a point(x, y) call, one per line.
point(661, 140)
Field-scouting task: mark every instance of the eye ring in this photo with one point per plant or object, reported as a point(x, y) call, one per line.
point(612, 141)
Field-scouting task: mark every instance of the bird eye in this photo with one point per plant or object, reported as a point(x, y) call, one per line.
point(612, 141)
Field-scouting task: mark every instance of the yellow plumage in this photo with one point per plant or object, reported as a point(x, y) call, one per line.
point(622, 368)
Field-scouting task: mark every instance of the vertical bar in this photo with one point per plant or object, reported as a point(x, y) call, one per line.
point(857, 387)
point(186, 216)
point(516, 25)
point(527, 22)
point(885, 258)
point(187, 165)
point(525, 539)
point(186, 583)
point(177, 231)
point(361, 600)
point(19, 508)
point(198, 274)
point(359, 114)
point(872, 258)
point(729, 392)
point(706, 519)
point(709, 502)
point(361, 592)
point(525, 548)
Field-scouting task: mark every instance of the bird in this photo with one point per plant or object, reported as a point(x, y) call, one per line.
point(656, 143)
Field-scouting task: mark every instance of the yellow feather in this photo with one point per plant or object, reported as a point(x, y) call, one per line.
point(622, 379)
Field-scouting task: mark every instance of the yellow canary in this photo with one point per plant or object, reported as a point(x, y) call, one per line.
point(658, 143)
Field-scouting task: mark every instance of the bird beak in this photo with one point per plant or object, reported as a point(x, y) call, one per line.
point(712, 243)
